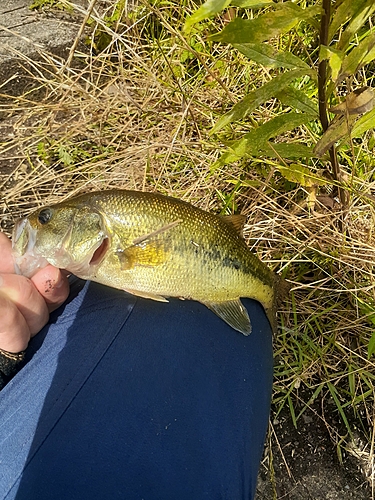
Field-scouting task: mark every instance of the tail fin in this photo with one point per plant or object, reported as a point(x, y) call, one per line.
point(281, 292)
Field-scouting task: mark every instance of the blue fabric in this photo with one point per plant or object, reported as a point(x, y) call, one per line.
point(126, 398)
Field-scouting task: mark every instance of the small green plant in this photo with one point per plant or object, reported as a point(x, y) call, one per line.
point(41, 4)
point(315, 81)
point(309, 126)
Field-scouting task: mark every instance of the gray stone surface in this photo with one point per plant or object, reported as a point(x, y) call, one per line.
point(24, 34)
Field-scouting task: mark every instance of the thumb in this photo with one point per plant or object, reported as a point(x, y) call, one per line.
point(52, 285)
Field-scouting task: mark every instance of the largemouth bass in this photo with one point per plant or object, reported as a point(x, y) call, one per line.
point(152, 246)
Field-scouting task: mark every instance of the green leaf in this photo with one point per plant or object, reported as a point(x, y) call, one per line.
point(351, 380)
point(287, 150)
point(65, 156)
point(337, 130)
point(371, 346)
point(252, 4)
point(334, 394)
point(255, 141)
point(292, 411)
point(368, 310)
point(208, 9)
point(301, 175)
point(366, 122)
point(345, 11)
point(257, 97)
point(358, 57)
point(264, 54)
point(254, 30)
point(335, 58)
point(360, 17)
point(297, 99)
point(266, 26)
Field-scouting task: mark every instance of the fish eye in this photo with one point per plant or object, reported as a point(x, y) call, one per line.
point(45, 215)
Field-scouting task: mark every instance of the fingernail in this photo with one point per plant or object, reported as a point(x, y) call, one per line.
point(56, 282)
point(59, 283)
point(60, 279)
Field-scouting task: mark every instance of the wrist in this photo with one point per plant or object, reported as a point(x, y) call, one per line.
point(10, 363)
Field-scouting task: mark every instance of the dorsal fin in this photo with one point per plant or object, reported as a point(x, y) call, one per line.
point(236, 221)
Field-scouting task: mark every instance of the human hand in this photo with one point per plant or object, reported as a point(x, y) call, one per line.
point(25, 303)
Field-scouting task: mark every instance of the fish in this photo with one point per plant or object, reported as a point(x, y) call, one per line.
point(152, 246)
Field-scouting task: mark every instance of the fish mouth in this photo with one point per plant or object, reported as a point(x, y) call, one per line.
point(27, 260)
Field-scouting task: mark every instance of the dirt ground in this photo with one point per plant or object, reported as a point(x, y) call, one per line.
point(299, 464)
point(305, 464)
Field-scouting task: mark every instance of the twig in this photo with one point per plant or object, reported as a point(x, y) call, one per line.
point(78, 37)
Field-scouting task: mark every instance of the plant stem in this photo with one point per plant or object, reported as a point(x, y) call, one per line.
point(322, 70)
point(322, 84)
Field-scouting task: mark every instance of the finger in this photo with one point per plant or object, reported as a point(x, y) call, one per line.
point(14, 331)
point(49, 281)
point(22, 292)
point(6, 259)
point(52, 285)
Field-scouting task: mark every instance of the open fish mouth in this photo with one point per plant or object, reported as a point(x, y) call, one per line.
point(28, 258)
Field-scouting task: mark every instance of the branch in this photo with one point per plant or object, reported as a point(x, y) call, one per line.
point(322, 85)
point(322, 70)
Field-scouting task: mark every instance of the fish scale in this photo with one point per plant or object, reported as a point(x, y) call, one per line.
point(153, 246)
point(190, 252)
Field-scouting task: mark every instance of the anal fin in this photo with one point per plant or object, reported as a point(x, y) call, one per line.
point(232, 312)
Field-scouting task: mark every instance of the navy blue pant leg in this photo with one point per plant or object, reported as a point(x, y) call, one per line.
point(125, 398)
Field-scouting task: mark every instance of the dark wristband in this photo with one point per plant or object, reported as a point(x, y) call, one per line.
point(10, 363)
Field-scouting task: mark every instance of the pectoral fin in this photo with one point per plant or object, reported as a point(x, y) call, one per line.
point(232, 312)
point(148, 250)
point(145, 254)
point(163, 229)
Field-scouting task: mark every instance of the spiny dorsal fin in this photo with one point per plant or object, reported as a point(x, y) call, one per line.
point(236, 221)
